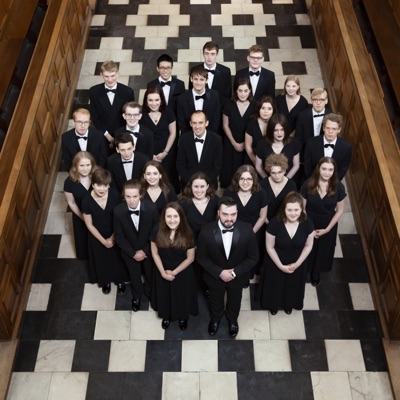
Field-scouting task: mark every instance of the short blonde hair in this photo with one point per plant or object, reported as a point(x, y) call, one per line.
point(109, 66)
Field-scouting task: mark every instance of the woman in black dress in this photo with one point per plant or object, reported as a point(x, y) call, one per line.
point(276, 184)
point(175, 293)
point(289, 241)
point(156, 186)
point(257, 127)
point(235, 116)
point(105, 262)
point(162, 122)
point(290, 103)
point(278, 141)
point(76, 187)
point(324, 196)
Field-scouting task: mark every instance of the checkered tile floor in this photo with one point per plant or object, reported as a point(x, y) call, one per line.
point(77, 343)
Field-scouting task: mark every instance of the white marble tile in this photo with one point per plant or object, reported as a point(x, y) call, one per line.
point(310, 298)
point(68, 385)
point(370, 386)
point(112, 325)
point(187, 55)
point(59, 185)
point(331, 386)
point(56, 224)
point(264, 19)
point(253, 30)
point(58, 203)
point(111, 42)
point(98, 20)
point(55, 355)
point(347, 224)
point(136, 20)
point(282, 1)
point(234, 31)
point(289, 42)
point(38, 297)
point(118, 2)
point(283, 326)
point(94, 299)
point(253, 325)
point(67, 247)
point(361, 296)
point(181, 386)
point(97, 55)
point(235, 9)
point(145, 325)
point(158, 9)
point(274, 66)
point(159, 2)
point(249, 8)
point(127, 356)
point(246, 303)
point(197, 43)
point(338, 248)
point(218, 385)
point(271, 355)
point(130, 68)
point(313, 68)
point(243, 42)
point(155, 43)
point(199, 355)
point(302, 19)
point(179, 20)
point(220, 20)
point(344, 355)
point(29, 385)
point(200, 1)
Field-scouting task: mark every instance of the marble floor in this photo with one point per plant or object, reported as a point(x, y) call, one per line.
point(77, 343)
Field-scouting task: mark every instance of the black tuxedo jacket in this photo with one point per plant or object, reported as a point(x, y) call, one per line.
point(96, 145)
point(107, 116)
point(243, 256)
point(145, 140)
point(222, 81)
point(314, 151)
point(116, 168)
point(211, 107)
point(127, 237)
point(177, 88)
point(210, 161)
point(266, 82)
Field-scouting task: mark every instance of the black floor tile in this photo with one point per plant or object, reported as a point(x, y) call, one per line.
point(25, 359)
point(308, 355)
point(176, 43)
point(163, 355)
point(200, 20)
point(351, 246)
point(199, 9)
point(308, 42)
point(359, 325)
point(322, 325)
point(334, 296)
point(65, 296)
point(348, 270)
point(157, 20)
point(106, 386)
point(67, 270)
point(193, 31)
point(274, 386)
point(91, 356)
point(294, 68)
point(142, 386)
point(133, 43)
point(244, 19)
point(235, 355)
point(34, 325)
point(374, 355)
point(93, 43)
point(49, 246)
point(285, 20)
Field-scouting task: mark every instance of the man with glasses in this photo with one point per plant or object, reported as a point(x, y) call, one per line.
point(82, 138)
point(143, 139)
point(172, 87)
point(262, 80)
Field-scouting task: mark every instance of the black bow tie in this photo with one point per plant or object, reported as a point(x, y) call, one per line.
point(111, 90)
point(329, 145)
point(165, 83)
point(81, 137)
point(210, 70)
point(197, 140)
point(203, 96)
point(254, 73)
point(127, 162)
point(227, 230)
point(318, 115)
point(136, 212)
point(136, 134)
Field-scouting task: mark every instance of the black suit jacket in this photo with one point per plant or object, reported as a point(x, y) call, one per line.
point(145, 140)
point(116, 168)
point(186, 107)
point(314, 151)
point(127, 237)
point(96, 145)
point(177, 88)
point(243, 256)
point(211, 157)
point(107, 116)
point(266, 82)
point(222, 81)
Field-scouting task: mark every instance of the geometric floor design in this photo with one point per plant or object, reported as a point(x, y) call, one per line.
point(77, 343)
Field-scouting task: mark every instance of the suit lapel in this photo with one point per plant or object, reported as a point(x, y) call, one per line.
point(218, 239)
point(235, 241)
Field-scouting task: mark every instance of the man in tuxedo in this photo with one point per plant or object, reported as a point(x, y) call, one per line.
point(172, 87)
point(126, 163)
point(219, 76)
point(82, 138)
point(134, 221)
point(227, 250)
point(199, 98)
point(199, 150)
point(262, 80)
point(107, 99)
point(328, 145)
point(143, 139)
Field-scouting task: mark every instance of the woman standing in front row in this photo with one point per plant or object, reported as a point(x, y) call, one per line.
point(174, 293)
point(324, 203)
point(289, 241)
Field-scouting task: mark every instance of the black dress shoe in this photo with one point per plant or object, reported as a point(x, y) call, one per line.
point(315, 282)
point(121, 288)
point(213, 327)
point(135, 304)
point(288, 311)
point(273, 312)
point(183, 324)
point(106, 288)
point(165, 323)
point(233, 329)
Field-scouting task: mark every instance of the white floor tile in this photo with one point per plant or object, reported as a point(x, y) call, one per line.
point(199, 355)
point(39, 297)
point(146, 326)
point(94, 299)
point(127, 356)
point(370, 386)
point(55, 355)
point(331, 386)
point(218, 385)
point(361, 296)
point(254, 325)
point(29, 385)
point(285, 326)
point(181, 386)
point(68, 385)
point(272, 355)
point(344, 355)
point(112, 325)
